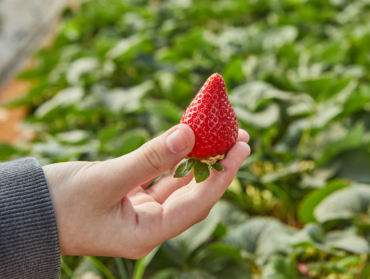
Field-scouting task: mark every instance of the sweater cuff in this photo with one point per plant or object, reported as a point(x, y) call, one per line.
point(29, 243)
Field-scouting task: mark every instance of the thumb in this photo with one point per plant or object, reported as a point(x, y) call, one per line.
point(150, 160)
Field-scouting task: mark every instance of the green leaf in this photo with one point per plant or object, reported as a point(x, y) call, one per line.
point(194, 274)
point(323, 116)
point(185, 168)
point(210, 257)
point(131, 141)
point(231, 215)
point(235, 187)
point(314, 235)
point(281, 194)
point(169, 83)
point(276, 37)
point(344, 204)
point(256, 94)
point(318, 178)
point(311, 235)
point(124, 46)
point(110, 132)
point(180, 247)
point(348, 261)
point(190, 41)
point(315, 86)
point(337, 139)
point(354, 165)
point(59, 152)
point(348, 241)
point(342, 90)
point(280, 267)
point(261, 237)
point(309, 203)
point(73, 137)
point(66, 268)
point(79, 67)
point(164, 109)
point(168, 273)
point(217, 167)
point(262, 119)
point(6, 151)
point(365, 273)
point(222, 260)
point(127, 100)
point(65, 97)
point(201, 171)
point(233, 72)
point(292, 168)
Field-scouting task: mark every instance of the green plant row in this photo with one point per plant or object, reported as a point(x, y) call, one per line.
point(121, 72)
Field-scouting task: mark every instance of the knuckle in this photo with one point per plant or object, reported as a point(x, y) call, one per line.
point(203, 215)
point(152, 157)
point(88, 169)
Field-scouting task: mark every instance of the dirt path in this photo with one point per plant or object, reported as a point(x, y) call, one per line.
point(11, 119)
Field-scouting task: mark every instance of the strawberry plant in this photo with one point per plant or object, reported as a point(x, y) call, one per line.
point(297, 76)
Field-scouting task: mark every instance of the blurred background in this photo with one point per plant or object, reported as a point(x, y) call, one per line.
point(110, 75)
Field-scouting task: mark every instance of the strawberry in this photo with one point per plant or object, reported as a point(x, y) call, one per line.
point(214, 122)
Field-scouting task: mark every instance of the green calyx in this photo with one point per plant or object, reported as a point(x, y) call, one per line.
point(201, 170)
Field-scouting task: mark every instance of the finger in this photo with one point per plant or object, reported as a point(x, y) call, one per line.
point(195, 202)
point(141, 198)
point(135, 191)
point(146, 184)
point(157, 156)
point(243, 136)
point(168, 184)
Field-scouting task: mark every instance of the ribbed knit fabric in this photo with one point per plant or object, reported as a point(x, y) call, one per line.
point(29, 244)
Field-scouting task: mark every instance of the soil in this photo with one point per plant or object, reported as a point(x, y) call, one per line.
point(11, 119)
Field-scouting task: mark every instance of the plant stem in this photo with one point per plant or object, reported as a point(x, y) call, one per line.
point(66, 268)
point(141, 264)
point(101, 267)
point(122, 270)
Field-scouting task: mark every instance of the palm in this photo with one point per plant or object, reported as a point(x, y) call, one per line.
point(167, 188)
point(153, 213)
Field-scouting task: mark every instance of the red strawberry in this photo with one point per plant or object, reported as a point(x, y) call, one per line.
point(215, 126)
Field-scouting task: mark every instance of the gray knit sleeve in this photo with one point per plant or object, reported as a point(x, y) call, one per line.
point(29, 244)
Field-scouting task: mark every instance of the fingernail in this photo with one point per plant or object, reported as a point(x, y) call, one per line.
point(176, 142)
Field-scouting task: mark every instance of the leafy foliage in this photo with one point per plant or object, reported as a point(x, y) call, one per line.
point(297, 71)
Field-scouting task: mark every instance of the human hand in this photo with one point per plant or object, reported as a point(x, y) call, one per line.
point(103, 209)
